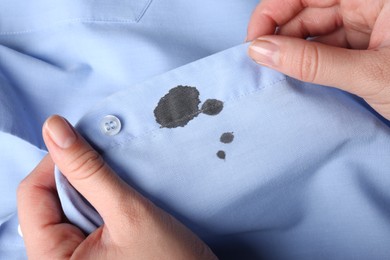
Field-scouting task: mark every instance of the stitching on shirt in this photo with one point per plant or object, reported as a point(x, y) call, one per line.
point(75, 21)
point(151, 132)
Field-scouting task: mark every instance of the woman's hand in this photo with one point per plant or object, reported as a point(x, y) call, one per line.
point(350, 49)
point(133, 227)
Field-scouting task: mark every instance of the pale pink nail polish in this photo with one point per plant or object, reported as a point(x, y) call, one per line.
point(264, 52)
point(60, 131)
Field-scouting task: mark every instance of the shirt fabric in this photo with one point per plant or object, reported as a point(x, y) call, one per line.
point(303, 173)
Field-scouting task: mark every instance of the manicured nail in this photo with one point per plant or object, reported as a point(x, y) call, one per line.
point(264, 52)
point(60, 131)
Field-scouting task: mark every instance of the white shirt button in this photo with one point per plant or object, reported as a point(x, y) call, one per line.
point(20, 231)
point(110, 125)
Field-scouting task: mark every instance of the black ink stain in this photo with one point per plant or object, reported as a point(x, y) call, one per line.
point(221, 155)
point(212, 107)
point(181, 105)
point(227, 138)
point(178, 107)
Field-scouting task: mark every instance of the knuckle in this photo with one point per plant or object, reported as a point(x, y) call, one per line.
point(85, 165)
point(308, 63)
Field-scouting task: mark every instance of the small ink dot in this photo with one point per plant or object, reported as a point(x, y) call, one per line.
point(212, 107)
point(221, 155)
point(227, 138)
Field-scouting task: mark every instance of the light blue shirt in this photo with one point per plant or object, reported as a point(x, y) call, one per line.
point(258, 165)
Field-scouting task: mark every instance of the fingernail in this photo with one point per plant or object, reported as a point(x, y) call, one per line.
point(264, 52)
point(60, 132)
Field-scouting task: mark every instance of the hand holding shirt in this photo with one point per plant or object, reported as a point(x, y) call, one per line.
point(350, 46)
point(132, 223)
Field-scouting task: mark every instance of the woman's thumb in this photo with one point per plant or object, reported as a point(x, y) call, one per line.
point(360, 72)
point(86, 170)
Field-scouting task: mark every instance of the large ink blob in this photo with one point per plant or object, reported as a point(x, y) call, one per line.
point(178, 107)
point(181, 105)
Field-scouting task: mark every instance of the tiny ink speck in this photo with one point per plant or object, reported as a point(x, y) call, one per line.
point(227, 138)
point(212, 107)
point(221, 155)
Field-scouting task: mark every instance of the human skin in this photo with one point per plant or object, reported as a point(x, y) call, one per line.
point(134, 228)
point(350, 49)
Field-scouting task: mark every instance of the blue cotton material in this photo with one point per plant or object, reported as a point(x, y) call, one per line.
point(305, 177)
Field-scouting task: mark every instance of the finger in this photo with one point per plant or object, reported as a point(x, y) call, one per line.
point(272, 13)
point(87, 172)
point(337, 39)
point(381, 36)
point(38, 205)
point(40, 215)
point(313, 22)
point(359, 72)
